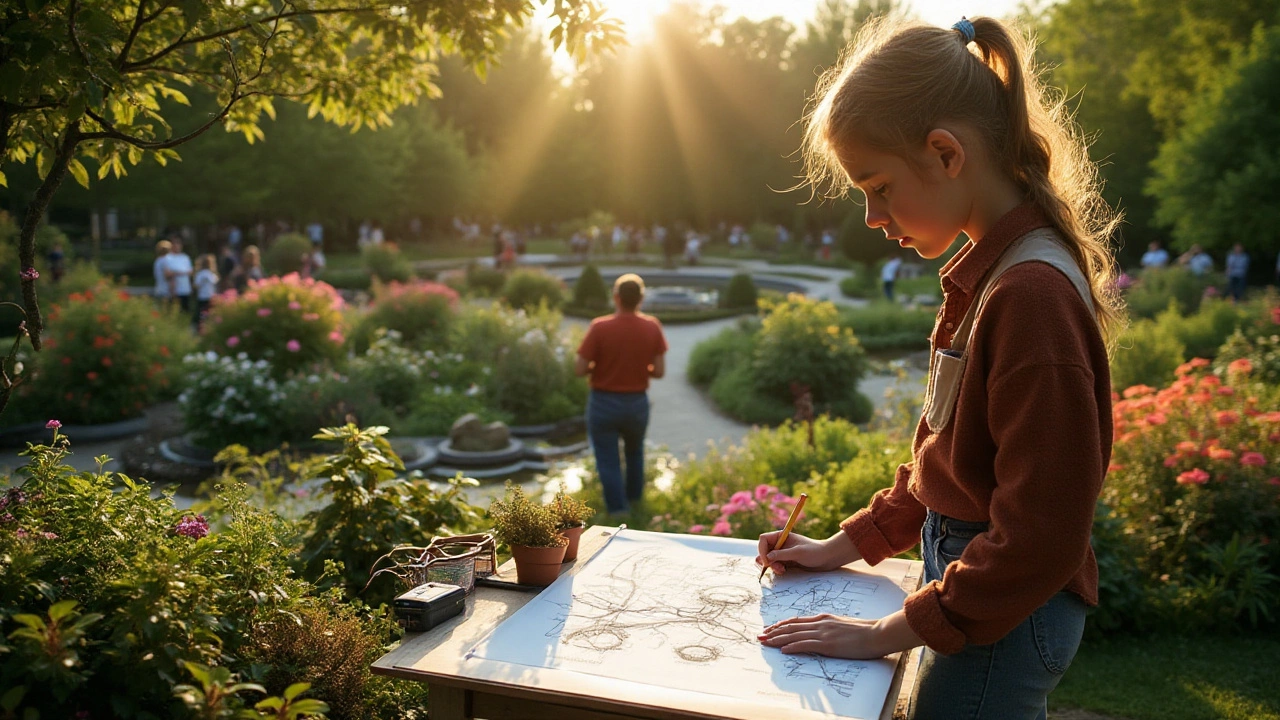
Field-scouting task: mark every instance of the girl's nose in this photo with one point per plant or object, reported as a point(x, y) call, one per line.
point(876, 217)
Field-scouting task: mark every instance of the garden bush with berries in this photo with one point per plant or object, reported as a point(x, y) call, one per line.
point(107, 356)
point(290, 322)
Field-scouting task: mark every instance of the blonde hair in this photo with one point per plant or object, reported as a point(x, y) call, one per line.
point(163, 247)
point(900, 79)
point(207, 262)
point(252, 252)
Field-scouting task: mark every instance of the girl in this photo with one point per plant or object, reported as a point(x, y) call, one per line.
point(250, 268)
point(206, 282)
point(944, 132)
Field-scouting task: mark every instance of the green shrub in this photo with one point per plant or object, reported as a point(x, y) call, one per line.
point(800, 341)
point(420, 312)
point(717, 353)
point(387, 264)
point(884, 325)
point(480, 333)
point(521, 520)
point(1155, 289)
point(1192, 484)
point(533, 380)
point(289, 322)
point(734, 391)
point(764, 237)
point(741, 292)
point(1203, 332)
point(1261, 352)
point(370, 510)
point(861, 282)
point(527, 288)
point(436, 408)
point(484, 280)
point(285, 253)
point(347, 278)
point(590, 291)
point(107, 357)
point(1147, 354)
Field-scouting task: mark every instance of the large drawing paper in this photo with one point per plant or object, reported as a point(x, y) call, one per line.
point(683, 612)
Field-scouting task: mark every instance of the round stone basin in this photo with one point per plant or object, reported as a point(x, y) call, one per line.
point(674, 297)
point(448, 455)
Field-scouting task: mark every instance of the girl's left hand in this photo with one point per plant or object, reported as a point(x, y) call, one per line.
point(841, 637)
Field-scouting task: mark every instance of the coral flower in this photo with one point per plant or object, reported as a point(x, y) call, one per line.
point(1186, 446)
point(1193, 477)
point(1220, 454)
point(1255, 459)
point(1157, 418)
point(1242, 366)
point(1227, 417)
point(1138, 391)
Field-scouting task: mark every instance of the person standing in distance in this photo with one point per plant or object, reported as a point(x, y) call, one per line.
point(621, 352)
point(889, 274)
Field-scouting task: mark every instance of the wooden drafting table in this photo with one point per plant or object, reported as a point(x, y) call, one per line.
point(459, 691)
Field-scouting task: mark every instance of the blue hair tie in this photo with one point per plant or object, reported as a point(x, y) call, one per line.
point(966, 30)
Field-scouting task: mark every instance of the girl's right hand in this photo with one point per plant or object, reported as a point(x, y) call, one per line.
point(802, 552)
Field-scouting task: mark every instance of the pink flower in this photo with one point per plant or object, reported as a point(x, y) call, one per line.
point(721, 528)
point(193, 527)
point(263, 312)
point(336, 337)
point(1256, 459)
point(29, 274)
point(742, 497)
point(1193, 477)
point(1157, 418)
point(295, 305)
point(293, 346)
point(52, 425)
point(233, 341)
point(310, 317)
point(1273, 481)
point(1227, 417)
point(696, 528)
point(763, 491)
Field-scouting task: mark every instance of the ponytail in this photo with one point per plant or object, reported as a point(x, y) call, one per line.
point(899, 80)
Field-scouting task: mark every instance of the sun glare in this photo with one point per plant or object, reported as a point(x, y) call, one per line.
point(636, 15)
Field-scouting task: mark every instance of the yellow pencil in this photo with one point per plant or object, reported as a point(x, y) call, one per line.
point(791, 522)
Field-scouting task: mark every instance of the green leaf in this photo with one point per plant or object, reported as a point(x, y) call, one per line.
point(9, 701)
point(4, 181)
point(308, 23)
point(79, 173)
point(94, 91)
point(75, 107)
point(295, 690)
point(191, 11)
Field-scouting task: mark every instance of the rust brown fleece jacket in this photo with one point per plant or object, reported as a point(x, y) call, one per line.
point(1026, 451)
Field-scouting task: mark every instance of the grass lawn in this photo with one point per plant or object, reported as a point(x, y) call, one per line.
point(1175, 678)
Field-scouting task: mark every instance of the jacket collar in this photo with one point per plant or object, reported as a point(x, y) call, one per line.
point(972, 262)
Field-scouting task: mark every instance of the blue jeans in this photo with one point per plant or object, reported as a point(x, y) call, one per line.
point(1010, 679)
point(612, 416)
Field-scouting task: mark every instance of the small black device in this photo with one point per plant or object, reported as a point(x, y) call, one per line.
point(428, 605)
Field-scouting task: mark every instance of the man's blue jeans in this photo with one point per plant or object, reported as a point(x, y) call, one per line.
point(612, 416)
point(1009, 679)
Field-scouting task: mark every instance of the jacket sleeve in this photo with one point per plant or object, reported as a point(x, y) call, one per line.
point(890, 524)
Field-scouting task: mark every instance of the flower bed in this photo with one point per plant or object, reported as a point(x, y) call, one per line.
point(290, 322)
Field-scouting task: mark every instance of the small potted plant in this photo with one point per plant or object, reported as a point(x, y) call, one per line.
point(529, 529)
point(571, 516)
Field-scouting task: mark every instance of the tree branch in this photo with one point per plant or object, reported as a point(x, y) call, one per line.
point(184, 40)
point(71, 32)
point(138, 21)
point(111, 133)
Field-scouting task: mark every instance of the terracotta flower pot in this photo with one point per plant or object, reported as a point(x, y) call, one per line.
point(537, 566)
point(572, 534)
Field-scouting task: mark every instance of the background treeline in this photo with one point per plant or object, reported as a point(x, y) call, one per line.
point(699, 124)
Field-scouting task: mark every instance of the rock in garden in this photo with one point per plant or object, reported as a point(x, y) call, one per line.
point(469, 434)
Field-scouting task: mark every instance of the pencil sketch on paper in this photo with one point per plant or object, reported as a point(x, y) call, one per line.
point(683, 612)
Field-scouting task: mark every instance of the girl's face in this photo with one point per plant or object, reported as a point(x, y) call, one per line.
point(922, 206)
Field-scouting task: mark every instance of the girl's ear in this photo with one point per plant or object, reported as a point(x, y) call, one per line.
point(945, 152)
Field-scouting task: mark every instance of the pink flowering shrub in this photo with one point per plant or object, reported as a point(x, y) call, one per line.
point(289, 322)
point(749, 513)
point(1194, 491)
point(420, 311)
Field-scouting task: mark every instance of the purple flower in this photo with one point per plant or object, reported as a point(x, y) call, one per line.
point(13, 496)
point(30, 274)
point(52, 425)
point(6, 518)
point(193, 527)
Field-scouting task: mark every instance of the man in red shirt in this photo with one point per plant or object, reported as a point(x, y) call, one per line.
point(621, 352)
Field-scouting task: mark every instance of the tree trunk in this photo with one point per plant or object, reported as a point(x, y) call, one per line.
point(35, 211)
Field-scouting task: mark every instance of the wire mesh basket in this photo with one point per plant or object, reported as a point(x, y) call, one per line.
point(456, 560)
